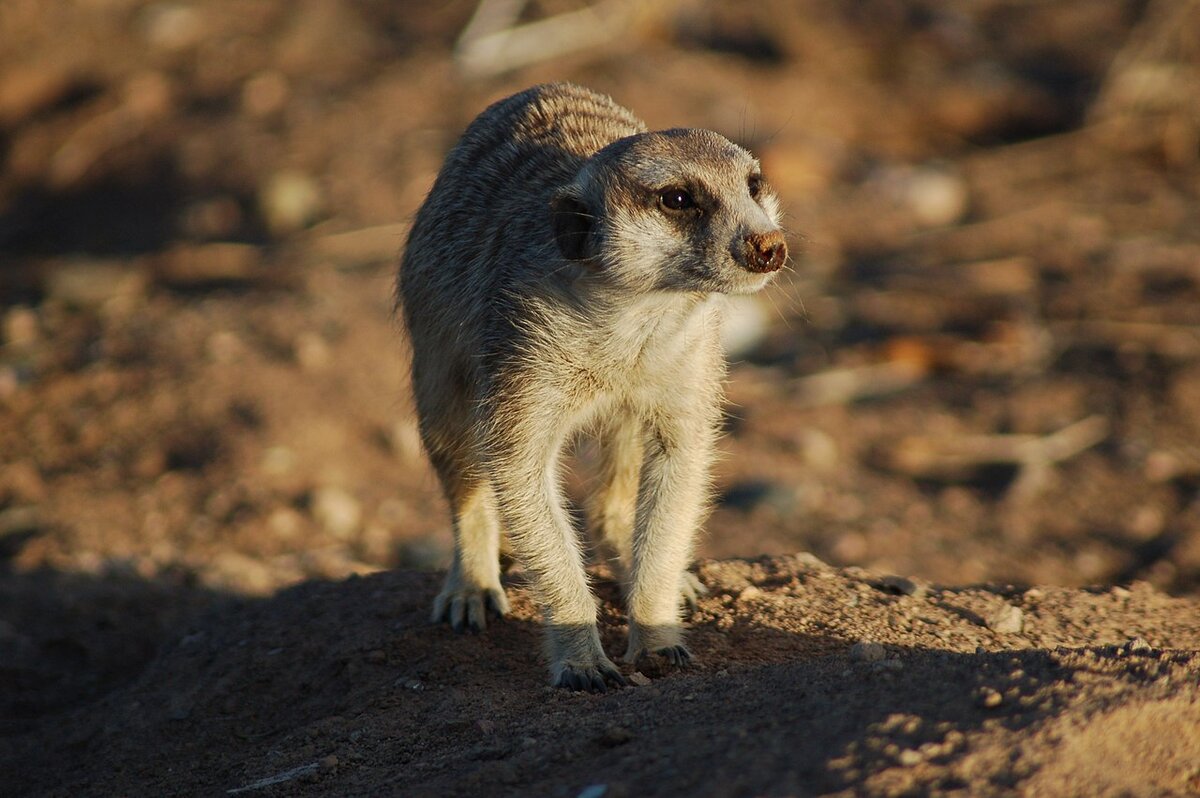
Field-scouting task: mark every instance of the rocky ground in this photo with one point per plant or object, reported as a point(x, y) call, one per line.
point(217, 530)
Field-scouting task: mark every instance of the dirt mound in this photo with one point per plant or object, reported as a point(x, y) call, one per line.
point(810, 679)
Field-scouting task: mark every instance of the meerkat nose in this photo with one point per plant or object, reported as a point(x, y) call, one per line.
point(765, 252)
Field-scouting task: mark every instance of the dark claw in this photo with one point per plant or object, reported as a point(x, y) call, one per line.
point(676, 655)
point(577, 681)
point(591, 680)
point(614, 675)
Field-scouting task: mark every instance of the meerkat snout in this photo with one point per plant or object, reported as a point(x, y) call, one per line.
point(764, 252)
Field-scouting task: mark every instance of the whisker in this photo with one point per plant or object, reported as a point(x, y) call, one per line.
point(778, 311)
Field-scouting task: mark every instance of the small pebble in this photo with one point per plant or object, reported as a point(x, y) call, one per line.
point(640, 679)
point(1006, 620)
point(749, 593)
point(818, 450)
point(172, 26)
point(336, 510)
point(593, 791)
point(936, 196)
point(328, 762)
point(903, 586)
point(989, 698)
point(21, 327)
point(908, 758)
point(290, 201)
point(1137, 645)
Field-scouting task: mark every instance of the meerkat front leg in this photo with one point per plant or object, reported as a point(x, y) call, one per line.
point(671, 504)
point(524, 461)
point(612, 509)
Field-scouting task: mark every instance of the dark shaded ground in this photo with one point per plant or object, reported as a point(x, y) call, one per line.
point(984, 370)
point(811, 680)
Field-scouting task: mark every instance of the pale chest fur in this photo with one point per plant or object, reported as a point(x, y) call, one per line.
point(661, 337)
point(648, 352)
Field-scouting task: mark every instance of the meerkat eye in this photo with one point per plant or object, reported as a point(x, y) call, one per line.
point(754, 183)
point(676, 199)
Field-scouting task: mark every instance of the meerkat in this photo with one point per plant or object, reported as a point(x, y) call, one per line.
point(567, 272)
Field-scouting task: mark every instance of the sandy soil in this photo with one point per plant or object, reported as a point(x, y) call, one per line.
point(219, 538)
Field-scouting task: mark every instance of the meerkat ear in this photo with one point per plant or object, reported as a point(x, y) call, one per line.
point(572, 225)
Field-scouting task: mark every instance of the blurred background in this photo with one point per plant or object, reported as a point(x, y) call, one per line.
point(984, 366)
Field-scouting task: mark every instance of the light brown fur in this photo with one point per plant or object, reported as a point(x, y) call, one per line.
point(550, 284)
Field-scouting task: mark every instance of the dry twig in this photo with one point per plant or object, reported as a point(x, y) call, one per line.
point(491, 43)
point(1173, 341)
point(278, 778)
point(841, 386)
point(956, 458)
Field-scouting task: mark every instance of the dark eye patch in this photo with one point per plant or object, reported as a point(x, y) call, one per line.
point(754, 184)
point(676, 199)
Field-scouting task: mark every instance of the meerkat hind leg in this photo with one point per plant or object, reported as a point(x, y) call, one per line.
point(611, 508)
point(472, 589)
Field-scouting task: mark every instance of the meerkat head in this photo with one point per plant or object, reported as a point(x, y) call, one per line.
point(683, 210)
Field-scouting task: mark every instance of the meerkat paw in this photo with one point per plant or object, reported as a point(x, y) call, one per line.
point(664, 641)
point(676, 655)
point(467, 607)
point(578, 662)
point(691, 590)
point(593, 677)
